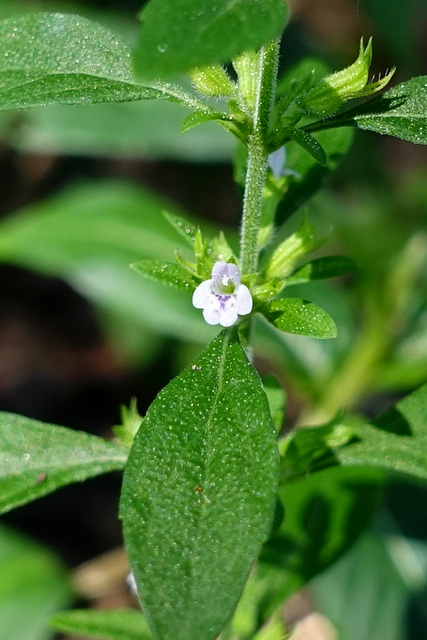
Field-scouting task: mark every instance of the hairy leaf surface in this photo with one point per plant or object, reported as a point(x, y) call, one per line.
point(199, 492)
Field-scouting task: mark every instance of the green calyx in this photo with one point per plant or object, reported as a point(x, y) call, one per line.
point(335, 89)
point(247, 69)
point(131, 421)
point(213, 81)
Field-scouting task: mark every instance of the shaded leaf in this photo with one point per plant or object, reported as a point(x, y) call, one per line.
point(325, 512)
point(178, 35)
point(305, 176)
point(299, 316)
point(114, 624)
point(310, 144)
point(276, 397)
point(311, 449)
point(395, 441)
point(195, 513)
point(38, 458)
point(321, 268)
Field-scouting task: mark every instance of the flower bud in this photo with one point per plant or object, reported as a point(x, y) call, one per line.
point(290, 251)
point(212, 81)
point(247, 69)
point(352, 82)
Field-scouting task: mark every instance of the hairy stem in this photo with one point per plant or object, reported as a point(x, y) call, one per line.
point(257, 157)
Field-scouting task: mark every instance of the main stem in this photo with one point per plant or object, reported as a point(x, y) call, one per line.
point(257, 157)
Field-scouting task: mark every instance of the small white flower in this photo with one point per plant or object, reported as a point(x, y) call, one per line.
point(223, 298)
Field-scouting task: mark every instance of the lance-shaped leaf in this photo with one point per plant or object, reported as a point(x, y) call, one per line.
point(167, 273)
point(38, 458)
point(186, 229)
point(199, 492)
point(114, 624)
point(299, 316)
point(321, 268)
point(400, 112)
point(178, 35)
point(196, 118)
point(54, 58)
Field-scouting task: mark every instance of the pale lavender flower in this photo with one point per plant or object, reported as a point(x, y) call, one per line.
point(223, 298)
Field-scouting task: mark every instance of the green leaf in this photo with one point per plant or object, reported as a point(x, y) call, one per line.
point(178, 35)
point(199, 492)
point(396, 441)
point(33, 584)
point(325, 512)
point(167, 273)
point(400, 112)
point(321, 268)
point(310, 144)
point(299, 316)
point(38, 458)
point(114, 624)
point(54, 58)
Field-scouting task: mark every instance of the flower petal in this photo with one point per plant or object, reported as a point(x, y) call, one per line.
point(202, 293)
point(220, 269)
point(228, 316)
point(243, 300)
point(212, 314)
point(233, 273)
